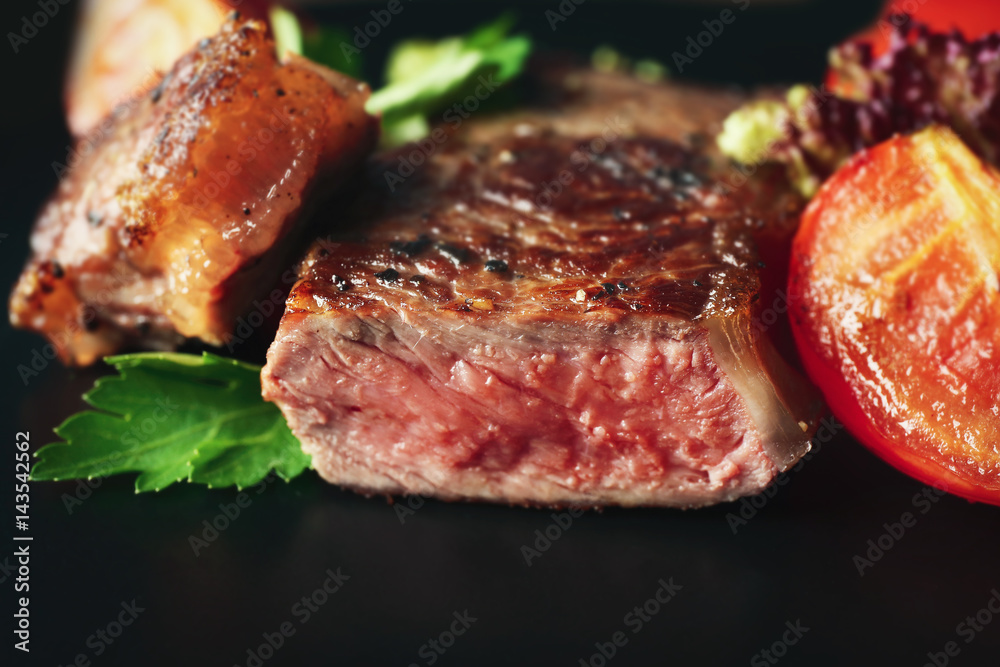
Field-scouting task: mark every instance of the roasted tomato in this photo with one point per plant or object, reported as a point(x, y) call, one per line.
point(895, 306)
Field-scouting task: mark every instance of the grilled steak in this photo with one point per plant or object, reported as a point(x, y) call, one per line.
point(556, 307)
point(186, 206)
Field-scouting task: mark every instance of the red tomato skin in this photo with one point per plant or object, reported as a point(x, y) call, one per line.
point(813, 290)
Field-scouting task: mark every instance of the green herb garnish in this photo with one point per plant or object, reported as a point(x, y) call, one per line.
point(422, 76)
point(174, 417)
point(326, 44)
point(427, 76)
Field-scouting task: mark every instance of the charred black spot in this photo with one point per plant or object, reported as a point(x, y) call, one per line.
point(622, 285)
point(618, 213)
point(246, 211)
point(389, 275)
point(417, 279)
point(411, 248)
point(280, 92)
point(455, 253)
point(342, 284)
point(57, 270)
point(496, 266)
point(609, 288)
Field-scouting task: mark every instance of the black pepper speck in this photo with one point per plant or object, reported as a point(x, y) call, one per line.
point(496, 265)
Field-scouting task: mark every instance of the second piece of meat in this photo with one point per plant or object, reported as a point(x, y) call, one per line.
point(187, 205)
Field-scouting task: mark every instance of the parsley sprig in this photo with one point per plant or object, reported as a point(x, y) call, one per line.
point(173, 417)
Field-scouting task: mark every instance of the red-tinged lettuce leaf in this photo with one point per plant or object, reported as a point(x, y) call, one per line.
point(925, 78)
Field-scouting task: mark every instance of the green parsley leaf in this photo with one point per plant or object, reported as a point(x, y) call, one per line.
point(426, 76)
point(422, 76)
point(173, 417)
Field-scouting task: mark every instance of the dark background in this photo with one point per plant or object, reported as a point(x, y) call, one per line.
point(791, 561)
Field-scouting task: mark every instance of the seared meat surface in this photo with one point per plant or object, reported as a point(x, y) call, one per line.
point(555, 307)
point(186, 207)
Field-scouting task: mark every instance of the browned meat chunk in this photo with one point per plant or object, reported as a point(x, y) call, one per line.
point(556, 307)
point(187, 206)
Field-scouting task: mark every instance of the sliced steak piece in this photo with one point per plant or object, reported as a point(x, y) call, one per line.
point(544, 316)
point(172, 222)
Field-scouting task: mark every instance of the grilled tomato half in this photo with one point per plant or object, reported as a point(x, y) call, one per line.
point(895, 306)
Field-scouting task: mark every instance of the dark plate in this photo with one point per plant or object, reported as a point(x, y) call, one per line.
point(747, 572)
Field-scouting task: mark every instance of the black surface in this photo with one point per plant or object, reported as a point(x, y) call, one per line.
point(792, 561)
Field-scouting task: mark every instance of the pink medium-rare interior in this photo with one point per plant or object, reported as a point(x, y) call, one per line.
point(540, 415)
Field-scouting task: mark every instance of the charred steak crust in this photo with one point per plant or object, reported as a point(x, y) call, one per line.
point(542, 318)
point(169, 225)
